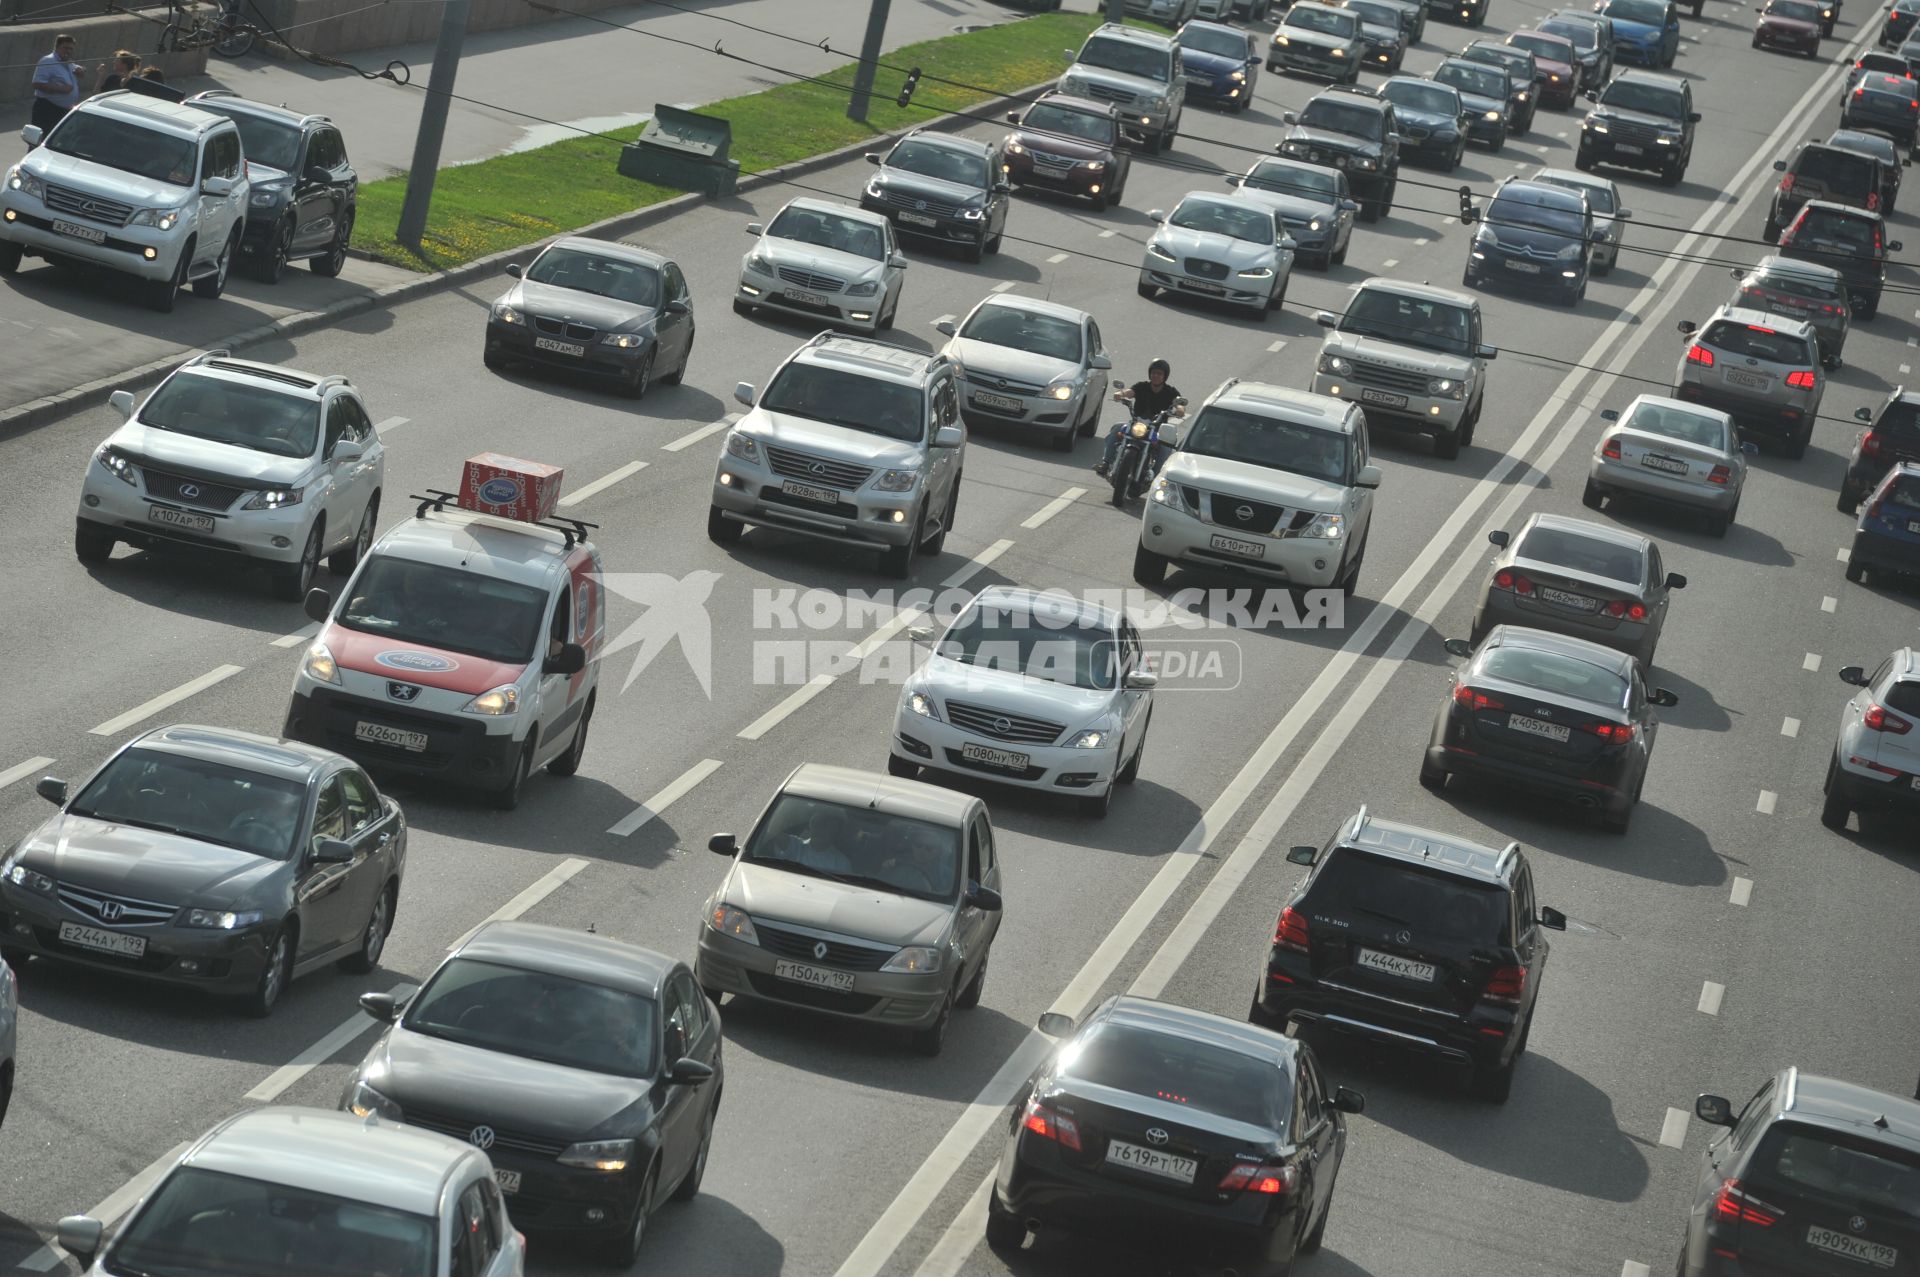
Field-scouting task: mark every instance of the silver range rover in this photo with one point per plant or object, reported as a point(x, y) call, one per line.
point(1412, 355)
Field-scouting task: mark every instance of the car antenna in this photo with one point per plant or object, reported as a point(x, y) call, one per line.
point(591, 931)
point(1881, 1121)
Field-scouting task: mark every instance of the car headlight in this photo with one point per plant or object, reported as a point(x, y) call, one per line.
point(1364, 161)
point(758, 264)
point(20, 180)
point(917, 959)
point(162, 219)
point(1014, 148)
point(1168, 494)
point(1447, 388)
point(115, 463)
point(865, 288)
point(896, 481)
point(364, 1101)
point(1334, 364)
point(30, 879)
point(729, 921)
point(1314, 225)
point(625, 341)
point(1280, 39)
point(496, 703)
point(1238, 75)
point(1665, 141)
point(922, 704)
point(268, 196)
point(973, 213)
point(1258, 272)
point(275, 499)
point(1061, 388)
point(1553, 77)
point(1095, 166)
point(222, 919)
point(320, 665)
point(599, 1155)
point(1594, 125)
point(1339, 53)
point(1570, 253)
point(742, 446)
point(1092, 738)
point(508, 315)
point(876, 190)
point(1154, 250)
point(1293, 147)
point(1491, 115)
point(1325, 527)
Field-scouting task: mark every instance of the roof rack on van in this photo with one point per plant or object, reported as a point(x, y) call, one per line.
point(826, 335)
point(574, 530)
point(221, 360)
point(216, 93)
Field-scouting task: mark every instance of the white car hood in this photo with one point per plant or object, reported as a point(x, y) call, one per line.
point(1077, 707)
point(246, 467)
point(1239, 253)
point(813, 257)
point(839, 442)
point(1256, 483)
point(1005, 361)
point(105, 181)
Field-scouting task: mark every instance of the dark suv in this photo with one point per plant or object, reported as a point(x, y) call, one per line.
point(1814, 1177)
point(1414, 939)
point(1523, 75)
point(1070, 145)
point(1819, 171)
point(1354, 130)
point(1640, 120)
point(951, 189)
point(1892, 436)
point(305, 191)
point(1852, 241)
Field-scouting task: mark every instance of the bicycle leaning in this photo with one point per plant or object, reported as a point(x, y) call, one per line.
point(228, 35)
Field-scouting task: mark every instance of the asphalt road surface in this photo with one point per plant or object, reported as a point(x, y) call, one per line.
point(1726, 936)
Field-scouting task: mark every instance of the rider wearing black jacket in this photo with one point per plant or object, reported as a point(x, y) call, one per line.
point(1149, 398)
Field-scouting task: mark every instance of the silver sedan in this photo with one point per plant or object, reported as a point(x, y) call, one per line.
point(1671, 452)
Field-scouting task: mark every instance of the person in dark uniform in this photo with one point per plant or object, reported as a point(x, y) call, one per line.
point(1149, 398)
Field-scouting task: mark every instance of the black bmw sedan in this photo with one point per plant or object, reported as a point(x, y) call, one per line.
point(1157, 1123)
point(215, 859)
point(588, 1069)
point(1548, 713)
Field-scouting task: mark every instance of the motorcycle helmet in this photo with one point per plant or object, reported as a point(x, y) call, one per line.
point(1160, 366)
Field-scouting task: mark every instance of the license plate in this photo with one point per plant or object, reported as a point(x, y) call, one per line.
point(1751, 380)
point(1392, 964)
point(1004, 758)
point(807, 492)
point(103, 941)
point(1671, 465)
point(507, 1181)
point(1234, 545)
point(180, 518)
point(1384, 398)
point(1151, 1160)
point(1534, 727)
point(90, 234)
point(997, 401)
point(1913, 526)
point(559, 347)
point(381, 734)
point(1201, 286)
point(804, 298)
point(1525, 268)
point(919, 219)
point(1624, 149)
point(1850, 1247)
point(818, 977)
point(1565, 599)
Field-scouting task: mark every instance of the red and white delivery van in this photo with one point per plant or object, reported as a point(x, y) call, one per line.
point(465, 645)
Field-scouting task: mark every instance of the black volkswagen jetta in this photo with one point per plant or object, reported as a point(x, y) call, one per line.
point(215, 859)
point(1160, 1124)
point(588, 1069)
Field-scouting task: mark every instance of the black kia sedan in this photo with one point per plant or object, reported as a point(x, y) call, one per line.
point(1172, 1127)
point(209, 858)
point(588, 1069)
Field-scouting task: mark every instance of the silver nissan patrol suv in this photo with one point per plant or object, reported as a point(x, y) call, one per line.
point(1140, 73)
point(1410, 354)
point(855, 441)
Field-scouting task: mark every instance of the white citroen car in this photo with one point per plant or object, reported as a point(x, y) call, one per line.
point(822, 260)
point(1030, 689)
point(1219, 246)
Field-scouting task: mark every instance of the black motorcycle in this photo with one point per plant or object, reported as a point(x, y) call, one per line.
point(1133, 467)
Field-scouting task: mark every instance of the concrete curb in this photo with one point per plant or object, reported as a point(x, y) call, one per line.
point(39, 412)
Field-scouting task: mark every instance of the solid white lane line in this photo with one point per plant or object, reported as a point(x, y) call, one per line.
point(1673, 1131)
point(692, 437)
point(20, 771)
point(675, 791)
point(949, 1254)
point(1710, 995)
point(603, 483)
point(1002, 286)
point(1053, 507)
point(548, 883)
point(1057, 258)
point(1764, 805)
point(1829, 603)
point(977, 562)
point(165, 700)
point(112, 1206)
point(304, 634)
point(1276, 347)
point(1631, 1267)
point(390, 424)
point(281, 1080)
point(1742, 892)
point(1790, 727)
point(1811, 662)
point(778, 714)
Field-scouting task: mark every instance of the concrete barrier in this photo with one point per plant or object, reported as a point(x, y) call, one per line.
point(97, 37)
point(344, 26)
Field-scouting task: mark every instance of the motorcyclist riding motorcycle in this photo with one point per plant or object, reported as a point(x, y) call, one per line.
point(1149, 398)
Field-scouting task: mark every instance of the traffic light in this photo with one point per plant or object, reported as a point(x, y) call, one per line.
point(1468, 215)
point(906, 90)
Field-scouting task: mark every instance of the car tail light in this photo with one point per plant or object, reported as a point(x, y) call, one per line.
point(1464, 695)
point(1721, 475)
point(1872, 766)
point(1879, 243)
point(1698, 354)
point(1043, 1120)
point(1801, 380)
point(1733, 1202)
point(1507, 579)
point(1860, 92)
point(1873, 202)
point(1870, 444)
point(1616, 733)
point(1881, 719)
point(1290, 932)
point(1611, 448)
point(1507, 985)
point(1761, 328)
point(1631, 611)
point(1786, 184)
point(1247, 1177)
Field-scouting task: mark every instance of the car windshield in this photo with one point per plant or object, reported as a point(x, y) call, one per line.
point(205, 1223)
point(1171, 1068)
point(1342, 117)
point(1294, 179)
point(1880, 148)
point(1756, 341)
point(1509, 210)
point(1578, 34)
point(635, 283)
point(1414, 96)
point(538, 1015)
point(1035, 641)
point(1027, 330)
point(1225, 42)
point(1678, 423)
point(453, 609)
point(1517, 63)
point(131, 148)
point(1848, 1173)
point(1797, 10)
point(1566, 548)
point(1241, 221)
point(1904, 492)
point(1484, 81)
point(1835, 169)
point(196, 798)
point(274, 143)
point(1651, 13)
point(1557, 674)
point(1068, 122)
point(848, 399)
point(823, 229)
point(940, 162)
point(1855, 234)
point(1599, 198)
point(1411, 321)
point(1648, 99)
point(1542, 46)
point(220, 410)
point(1325, 21)
point(1262, 441)
point(1434, 905)
point(1380, 15)
point(1126, 57)
point(1782, 281)
point(860, 845)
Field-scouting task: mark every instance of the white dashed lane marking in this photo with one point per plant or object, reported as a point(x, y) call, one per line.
point(675, 791)
point(1829, 603)
point(282, 1079)
point(603, 483)
point(1673, 1131)
point(692, 437)
point(1108, 234)
point(21, 771)
point(1790, 727)
point(1057, 258)
point(298, 637)
point(1710, 995)
point(165, 700)
point(1742, 892)
point(1841, 554)
point(1632, 1267)
point(1766, 801)
point(1811, 663)
point(1002, 286)
point(1053, 507)
point(1390, 263)
point(1276, 347)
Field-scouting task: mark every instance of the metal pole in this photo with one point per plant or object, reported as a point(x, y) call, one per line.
point(870, 50)
point(433, 124)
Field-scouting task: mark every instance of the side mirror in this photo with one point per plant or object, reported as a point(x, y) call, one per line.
point(516, 270)
point(756, 229)
point(1459, 647)
point(1779, 166)
point(945, 326)
point(920, 634)
point(1287, 242)
point(1142, 681)
point(898, 261)
point(1686, 328)
point(723, 844)
point(1893, 246)
point(1609, 414)
point(1325, 318)
point(1591, 95)
point(1302, 855)
point(1737, 272)
point(1100, 363)
point(687, 1071)
point(1369, 477)
point(1289, 117)
point(1236, 179)
point(78, 1235)
point(1488, 352)
point(1597, 234)
point(217, 186)
point(678, 306)
point(1498, 537)
point(53, 789)
point(1001, 188)
point(743, 393)
point(1623, 215)
point(346, 450)
point(332, 851)
point(1013, 117)
point(1055, 1025)
point(1859, 414)
point(317, 176)
point(31, 134)
point(1714, 1110)
point(948, 437)
point(570, 659)
point(873, 157)
point(1851, 675)
point(1552, 919)
point(985, 898)
point(1157, 215)
point(1693, 117)
point(122, 401)
point(1349, 206)
point(1675, 581)
point(1663, 698)
point(1750, 448)
point(380, 1006)
point(317, 604)
point(1348, 1100)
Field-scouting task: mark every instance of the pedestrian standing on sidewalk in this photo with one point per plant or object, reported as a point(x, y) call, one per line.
point(115, 74)
point(56, 85)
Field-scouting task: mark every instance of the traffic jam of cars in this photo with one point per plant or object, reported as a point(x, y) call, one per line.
point(543, 1084)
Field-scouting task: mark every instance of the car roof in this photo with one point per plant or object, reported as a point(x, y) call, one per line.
point(1830, 206)
point(1039, 306)
point(1540, 194)
point(1322, 411)
point(1462, 60)
point(1425, 292)
point(855, 788)
point(1092, 106)
point(1116, 31)
point(1677, 405)
point(1231, 200)
point(1761, 319)
point(1354, 95)
point(1860, 140)
point(1877, 1115)
point(1811, 272)
point(220, 366)
point(1606, 658)
point(578, 955)
point(250, 751)
point(221, 99)
point(1150, 1014)
point(611, 248)
point(1639, 75)
point(870, 357)
point(1587, 528)
point(1201, 24)
point(360, 1159)
point(178, 118)
point(1412, 845)
point(1050, 604)
point(1573, 177)
point(948, 142)
point(835, 208)
point(523, 552)
point(1392, 80)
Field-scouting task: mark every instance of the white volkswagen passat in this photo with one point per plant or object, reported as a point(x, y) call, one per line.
point(1030, 689)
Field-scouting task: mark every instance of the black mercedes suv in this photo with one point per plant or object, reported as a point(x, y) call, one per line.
point(1413, 939)
point(1352, 129)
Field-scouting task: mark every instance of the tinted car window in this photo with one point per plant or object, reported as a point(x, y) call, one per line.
point(1757, 342)
point(1509, 210)
point(829, 230)
point(1081, 124)
point(1023, 640)
point(274, 143)
point(1780, 282)
point(848, 399)
point(197, 798)
point(1228, 44)
point(631, 282)
point(941, 162)
point(1849, 1172)
point(1262, 441)
point(1471, 79)
point(1905, 696)
point(1832, 167)
point(1037, 334)
point(1552, 50)
point(1218, 217)
point(1294, 179)
point(1441, 905)
point(1652, 13)
point(1323, 21)
point(1432, 325)
point(538, 1015)
point(235, 412)
point(858, 844)
point(1797, 10)
point(1567, 549)
point(1196, 1075)
point(1653, 99)
point(446, 607)
point(1341, 117)
point(1859, 234)
point(1904, 492)
point(1553, 672)
point(1381, 15)
point(1420, 97)
point(1899, 418)
point(1578, 34)
point(1125, 57)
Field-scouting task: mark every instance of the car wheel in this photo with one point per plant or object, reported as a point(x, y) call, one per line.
point(1499, 142)
point(373, 941)
point(931, 1040)
point(1718, 524)
point(343, 562)
point(1856, 571)
point(211, 286)
point(1062, 440)
point(1834, 808)
point(689, 1186)
point(1671, 175)
point(970, 996)
point(273, 263)
point(334, 260)
point(161, 294)
point(897, 560)
point(274, 974)
point(1459, 154)
point(1582, 162)
point(972, 252)
point(939, 539)
point(624, 1251)
point(1447, 446)
point(634, 384)
point(1795, 445)
point(92, 544)
point(1614, 820)
point(679, 373)
point(1495, 1082)
point(1771, 231)
point(741, 308)
point(9, 259)
point(1088, 426)
point(1432, 777)
point(1847, 503)
point(1340, 258)
point(1866, 310)
point(291, 583)
point(1591, 496)
point(1149, 569)
point(1148, 291)
point(904, 769)
point(1005, 1230)
point(492, 358)
point(1131, 772)
point(720, 529)
point(568, 764)
point(507, 797)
